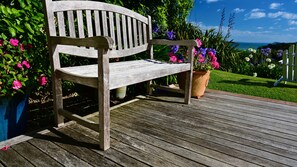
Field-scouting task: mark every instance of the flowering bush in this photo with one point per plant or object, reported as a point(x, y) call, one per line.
point(262, 63)
point(17, 73)
point(204, 59)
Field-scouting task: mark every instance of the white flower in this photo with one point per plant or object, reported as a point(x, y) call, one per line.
point(255, 74)
point(252, 50)
point(251, 55)
point(271, 66)
point(247, 59)
point(268, 60)
point(281, 61)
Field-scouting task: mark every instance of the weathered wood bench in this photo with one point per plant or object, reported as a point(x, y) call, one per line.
point(289, 65)
point(99, 30)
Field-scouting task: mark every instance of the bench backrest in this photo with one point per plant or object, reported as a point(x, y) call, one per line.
point(129, 30)
point(290, 64)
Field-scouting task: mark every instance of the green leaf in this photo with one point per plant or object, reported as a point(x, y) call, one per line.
point(12, 31)
point(28, 26)
point(18, 28)
point(8, 56)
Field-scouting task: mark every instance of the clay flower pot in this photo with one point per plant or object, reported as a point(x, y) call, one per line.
point(199, 82)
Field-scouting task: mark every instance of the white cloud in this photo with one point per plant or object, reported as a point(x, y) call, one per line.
point(295, 1)
point(292, 22)
point(255, 14)
point(291, 29)
point(238, 10)
point(260, 28)
point(211, 1)
point(255, 36)
point(257, 10)
point(284, 15)
point(275, 5)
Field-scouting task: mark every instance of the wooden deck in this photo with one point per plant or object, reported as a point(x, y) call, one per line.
point(218, 130)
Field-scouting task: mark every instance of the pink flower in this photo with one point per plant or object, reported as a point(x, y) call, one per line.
point(42, 80)
point(179, 61)
point(16, 84)
point(22, 47)
point(173, 59)
point(214, 58)
point(19, 65)
point(215, 64)
point(211, 54)
point(26, 64)
point(199, 43)
point(5, 148)
point(170, 54)
point(14, 42)
point(1, 43)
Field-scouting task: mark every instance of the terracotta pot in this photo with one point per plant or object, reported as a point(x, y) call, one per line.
point(199, 82)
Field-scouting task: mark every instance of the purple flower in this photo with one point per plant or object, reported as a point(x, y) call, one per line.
point(279, 53)
point(174, 48)
point(156, 29)
point(180, 57)
point(170, 35)
point(203, 51)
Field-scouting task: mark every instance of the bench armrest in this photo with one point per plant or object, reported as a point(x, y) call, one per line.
point(172, 42)
point(97, 42)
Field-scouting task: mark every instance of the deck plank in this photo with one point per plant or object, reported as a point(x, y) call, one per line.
point(57, 153)
point(11, 158)
point(35, 156)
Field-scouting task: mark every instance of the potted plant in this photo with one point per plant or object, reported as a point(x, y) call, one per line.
point(204, 60)
point(18, 77)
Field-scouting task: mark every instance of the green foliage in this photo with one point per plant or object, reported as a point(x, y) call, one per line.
point(226, 50)
point(24, 20)
point(17, 74)
point(261, 63)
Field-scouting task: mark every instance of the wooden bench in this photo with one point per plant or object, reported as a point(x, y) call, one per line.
point(102, 31)
point(289, 65)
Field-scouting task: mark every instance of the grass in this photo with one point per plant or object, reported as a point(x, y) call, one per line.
point(254, 86)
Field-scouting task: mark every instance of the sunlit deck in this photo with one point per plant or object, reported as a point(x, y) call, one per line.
point(218, 130)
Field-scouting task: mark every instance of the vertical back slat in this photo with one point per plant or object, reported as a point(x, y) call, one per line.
point(140, 33)
point(130, 32)
point(71, 24)
point(144, 33)
point(290, 63)
point(285, 65)
point(104, 23)
point(124, 23)
point(119, 34)
point(135, 33)
point(150, 37)
point(80, 24)
point(97, 23)
point(295, 64)
point(111, 25)
point(61, 24)
point(89, 23)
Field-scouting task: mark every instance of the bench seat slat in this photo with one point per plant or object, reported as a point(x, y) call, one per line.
point(123, 73)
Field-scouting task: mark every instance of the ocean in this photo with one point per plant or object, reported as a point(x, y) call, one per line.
point(246, 45)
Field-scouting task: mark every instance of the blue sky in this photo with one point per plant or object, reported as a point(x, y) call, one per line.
point(255, 20)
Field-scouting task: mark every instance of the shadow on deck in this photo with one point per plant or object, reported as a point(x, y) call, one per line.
point(217, 130)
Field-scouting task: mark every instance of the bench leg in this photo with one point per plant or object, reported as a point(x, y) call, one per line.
point(188, 87)
point(149, 87)
point(58, 101)
point(104, 120)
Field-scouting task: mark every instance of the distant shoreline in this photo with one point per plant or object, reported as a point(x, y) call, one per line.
point(246, 45)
